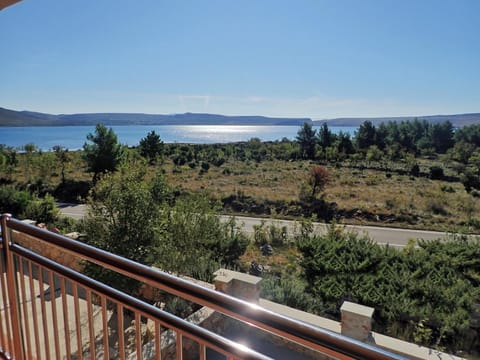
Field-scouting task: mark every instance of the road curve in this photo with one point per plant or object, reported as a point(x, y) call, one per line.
point(381, 235)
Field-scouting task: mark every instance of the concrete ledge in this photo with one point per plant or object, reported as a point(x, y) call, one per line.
point(238, 284)
point(308, 318)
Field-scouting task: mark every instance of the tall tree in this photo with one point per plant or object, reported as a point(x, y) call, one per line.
point(62, 158)
point(442, 136)
point(325, 136)
point(8, 159)
point(104, 153)
point(344, 143)
point(365, 136)
point(306, 140)
point(124, 218)
point(151, 147)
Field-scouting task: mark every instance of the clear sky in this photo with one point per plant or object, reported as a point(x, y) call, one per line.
point(319, 58)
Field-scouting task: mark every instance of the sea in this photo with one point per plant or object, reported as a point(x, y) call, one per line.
point(74, 137)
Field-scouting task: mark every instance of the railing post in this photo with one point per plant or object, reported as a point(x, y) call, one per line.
point(12, 289)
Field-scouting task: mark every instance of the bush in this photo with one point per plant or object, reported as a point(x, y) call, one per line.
point(72, 190)
point(434, 283)
point(415, 170)
point(205, 166)
point(436, 207)
point(436, 173)
point(289, 291)
point(43, 210)
point(470, 181)
point(13, 201)
point(447, 188)
point(22, 204)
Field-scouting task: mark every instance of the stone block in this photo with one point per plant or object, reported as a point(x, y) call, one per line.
point(356, 320)
point(243, 286)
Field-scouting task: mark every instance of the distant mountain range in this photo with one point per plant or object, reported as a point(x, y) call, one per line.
point(29, 118)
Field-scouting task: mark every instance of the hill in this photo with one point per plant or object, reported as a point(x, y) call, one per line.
point(458, 120)
point(28, 118)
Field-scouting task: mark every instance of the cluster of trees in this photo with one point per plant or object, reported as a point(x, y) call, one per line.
point(402, 141)
point(23, 204)
point(415, 137)
point(143, 220)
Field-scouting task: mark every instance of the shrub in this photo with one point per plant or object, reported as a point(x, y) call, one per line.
point(447, 188)
point(436, 173)
point(205, 166)
point(390, 203)
point(470, 181)
point(43, 210)
point(415, 170)
point(436, 207)
point(289, 291)
point(13, 201)
point(434, 283)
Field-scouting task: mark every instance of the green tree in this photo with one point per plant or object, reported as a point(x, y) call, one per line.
point(325, 136)
point(374, 153)
point(365, 136)
point(197, 241)
point(103, 153)
point(62, 159)
point(30, 151)
point(442, 136)
point(344, 144)
point(125, 218)
point(151, 147)
point(45, 166)
point(468, 134)
point(306, 140)
point(8, 160)
point(42, 210)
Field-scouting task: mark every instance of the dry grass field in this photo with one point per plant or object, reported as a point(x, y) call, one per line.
point(362, 196)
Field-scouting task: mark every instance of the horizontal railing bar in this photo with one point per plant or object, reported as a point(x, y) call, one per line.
point(197, 333)
point(308, 335)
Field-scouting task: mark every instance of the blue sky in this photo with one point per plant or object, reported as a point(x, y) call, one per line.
point(319, 59)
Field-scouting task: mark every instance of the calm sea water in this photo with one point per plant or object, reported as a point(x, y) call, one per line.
point(73, 137)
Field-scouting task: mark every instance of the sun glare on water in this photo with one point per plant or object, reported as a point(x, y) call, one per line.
point(226, 129)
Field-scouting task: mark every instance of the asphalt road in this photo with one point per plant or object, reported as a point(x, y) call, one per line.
point(382, 235)
point(75, 211)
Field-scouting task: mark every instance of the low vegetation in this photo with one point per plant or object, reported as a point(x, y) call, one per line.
point(411, 174)
point(157, 204)
point(426, 293)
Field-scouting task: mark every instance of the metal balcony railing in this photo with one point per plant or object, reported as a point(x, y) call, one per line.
point(51, 311)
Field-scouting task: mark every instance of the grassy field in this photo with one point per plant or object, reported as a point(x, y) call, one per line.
point(367, 196)
point(362, 196)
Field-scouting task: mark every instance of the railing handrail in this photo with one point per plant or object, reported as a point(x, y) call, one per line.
point(305, 334)
point(195, 332)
